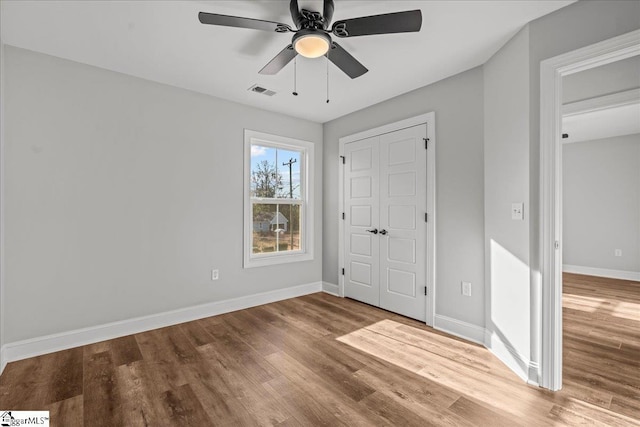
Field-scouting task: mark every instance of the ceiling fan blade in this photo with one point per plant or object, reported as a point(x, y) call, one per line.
point(239, 22)
point(347, 63)
point(327, 13)
point(285, 56)
point(388, 23)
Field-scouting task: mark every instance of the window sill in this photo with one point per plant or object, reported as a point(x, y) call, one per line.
point(263, 261)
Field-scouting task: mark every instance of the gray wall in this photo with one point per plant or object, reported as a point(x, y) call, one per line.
point(122, 194)
point(458, 105)
point(611, 78)
point(601, 203)
point(572, 27)
point(506, 180)
point(578, 25)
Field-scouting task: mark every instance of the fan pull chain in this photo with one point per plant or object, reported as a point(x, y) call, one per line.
point(328, 75)
point(295, 76)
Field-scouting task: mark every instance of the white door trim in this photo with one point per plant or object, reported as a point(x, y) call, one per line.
point(551, 72)
point(430, 120)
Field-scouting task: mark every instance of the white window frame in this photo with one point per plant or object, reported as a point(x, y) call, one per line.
point(305, 253)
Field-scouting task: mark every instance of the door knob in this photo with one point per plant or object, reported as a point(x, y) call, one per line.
point(374, 231)
point(383, 232)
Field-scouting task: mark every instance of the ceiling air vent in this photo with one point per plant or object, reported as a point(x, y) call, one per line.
point(261, 90)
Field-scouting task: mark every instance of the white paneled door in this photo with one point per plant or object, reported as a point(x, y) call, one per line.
point(385, 230)
point(362, 217)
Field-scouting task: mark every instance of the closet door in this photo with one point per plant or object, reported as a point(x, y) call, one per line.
point(402, 235)
point(385, 194)
point(361, 243)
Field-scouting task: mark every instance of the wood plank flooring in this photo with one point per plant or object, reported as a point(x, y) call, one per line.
point(322, 360)
point(602, 342)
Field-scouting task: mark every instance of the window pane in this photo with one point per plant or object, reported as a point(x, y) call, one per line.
point(276, 228)
point(266, 182)
point(275, 172)
point(290, 172)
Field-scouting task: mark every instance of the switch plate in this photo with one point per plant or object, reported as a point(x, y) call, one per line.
point(517, 211)
point(617, 252)
point(214, 274)
point(466, 289)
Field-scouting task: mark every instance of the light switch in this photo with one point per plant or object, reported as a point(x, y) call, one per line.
point(517, 211)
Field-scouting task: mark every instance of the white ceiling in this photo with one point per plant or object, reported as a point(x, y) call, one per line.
point(164, 42)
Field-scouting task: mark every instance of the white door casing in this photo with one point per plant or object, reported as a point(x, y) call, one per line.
point(385, 232)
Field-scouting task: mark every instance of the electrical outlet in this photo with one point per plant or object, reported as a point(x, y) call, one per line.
point(214, 274)
point(617, 252)
point(466, 289)
point(517, 211)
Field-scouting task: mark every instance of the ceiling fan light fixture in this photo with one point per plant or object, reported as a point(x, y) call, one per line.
point(311, 44)
point(313, 31)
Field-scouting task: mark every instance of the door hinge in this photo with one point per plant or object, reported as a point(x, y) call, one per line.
point(426, 143)
point(342, 215)
point(344, 160)
point(426, 217)
point(343, 271)
point(425, 290)
point(556, 245)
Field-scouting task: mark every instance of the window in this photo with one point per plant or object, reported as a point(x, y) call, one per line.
point(278, 214)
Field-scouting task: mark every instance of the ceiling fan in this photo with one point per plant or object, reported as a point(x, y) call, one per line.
point(312, 36)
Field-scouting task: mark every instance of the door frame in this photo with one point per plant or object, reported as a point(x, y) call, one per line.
point(551, 72)
point(430, 120)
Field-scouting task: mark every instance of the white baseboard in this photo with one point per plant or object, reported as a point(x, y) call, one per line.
point(331, 288)
point(520, 364)
point(517, 362)
point(534, 374)
point(602, 272)
point(62, 341)
point(467, 331)
point(3, 359)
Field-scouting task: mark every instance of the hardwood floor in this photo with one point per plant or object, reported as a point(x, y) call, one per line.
point(602, 342)
point(322, 360)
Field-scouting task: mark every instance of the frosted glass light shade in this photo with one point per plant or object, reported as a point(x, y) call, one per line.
point(311, 46)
